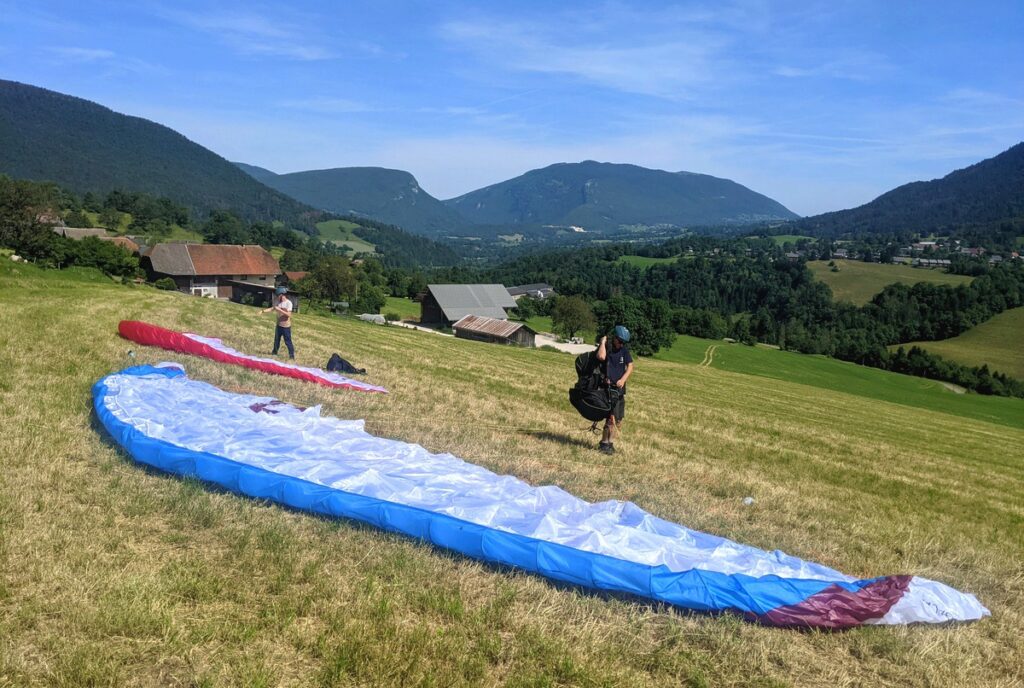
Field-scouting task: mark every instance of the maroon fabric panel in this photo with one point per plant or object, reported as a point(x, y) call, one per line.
point(834, 607)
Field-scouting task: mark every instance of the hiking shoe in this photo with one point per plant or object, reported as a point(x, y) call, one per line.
point(603, 446)
point(608, 448)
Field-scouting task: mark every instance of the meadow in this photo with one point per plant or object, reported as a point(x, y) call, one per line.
point(340, 232)
point(115, 575)
point(841, 376)
point(406, 309)
point(783, 239)
point(998, 343)
point(857, 281)
point(646, 261)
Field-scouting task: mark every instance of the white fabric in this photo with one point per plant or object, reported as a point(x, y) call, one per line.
point(342, 455)
point(334, 378)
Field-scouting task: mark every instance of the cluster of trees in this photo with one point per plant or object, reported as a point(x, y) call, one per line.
point(149, 215)
point(21, 229)
point(741, 289)
point(334, 278)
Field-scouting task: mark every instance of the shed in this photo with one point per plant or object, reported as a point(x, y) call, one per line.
point(540, 290)
point(483, 329)
point(448, 303)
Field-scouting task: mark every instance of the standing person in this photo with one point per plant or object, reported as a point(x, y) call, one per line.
point(283, 308)
point(618, 366)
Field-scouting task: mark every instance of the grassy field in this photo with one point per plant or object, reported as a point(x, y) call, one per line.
point(831, 374)
point(645, 261)
point(340, 232)
point(857, 281)
point(997, 342)
point(115, 575)
point(782, 239)
point(407, 309)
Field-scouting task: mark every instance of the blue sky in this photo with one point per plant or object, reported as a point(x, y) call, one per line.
point(820, 105)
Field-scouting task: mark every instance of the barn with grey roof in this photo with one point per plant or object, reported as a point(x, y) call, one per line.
point(445, 304)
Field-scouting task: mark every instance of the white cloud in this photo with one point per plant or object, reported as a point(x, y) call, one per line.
point(249, 33)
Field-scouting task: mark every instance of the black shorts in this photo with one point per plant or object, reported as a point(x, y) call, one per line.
point(619, 410)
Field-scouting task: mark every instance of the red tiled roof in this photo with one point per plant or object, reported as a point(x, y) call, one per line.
point(221, 259)
point(295, 276)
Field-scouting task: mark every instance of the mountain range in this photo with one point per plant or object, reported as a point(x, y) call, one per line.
point(391, 196)
point(982, 196)
point(85, 147)
point(605, 197)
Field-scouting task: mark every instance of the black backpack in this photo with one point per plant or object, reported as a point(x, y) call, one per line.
point(590, 395)
point(337, 364)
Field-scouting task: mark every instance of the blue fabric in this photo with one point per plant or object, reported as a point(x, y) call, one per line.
point(286, 334)
point(694, 589)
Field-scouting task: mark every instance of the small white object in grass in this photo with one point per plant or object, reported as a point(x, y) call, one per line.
point(747, 501)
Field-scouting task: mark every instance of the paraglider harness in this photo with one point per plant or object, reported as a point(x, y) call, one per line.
point(594, 399)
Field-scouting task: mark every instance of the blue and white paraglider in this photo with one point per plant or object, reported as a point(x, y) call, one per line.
point(268, 449)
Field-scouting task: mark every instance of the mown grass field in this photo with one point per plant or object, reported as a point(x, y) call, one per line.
point(646, 261)
point(340, 232)
point(115, 575)
point(407, 309)
point(783, 239)
point(998, 342)
point(857, 281)
point(839, 376)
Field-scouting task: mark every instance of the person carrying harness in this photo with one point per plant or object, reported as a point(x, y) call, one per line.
point(617, 366)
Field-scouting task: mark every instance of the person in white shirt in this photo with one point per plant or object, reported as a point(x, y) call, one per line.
point(283, 308)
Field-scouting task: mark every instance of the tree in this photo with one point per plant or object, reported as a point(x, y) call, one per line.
point(225, 228)
point(649, 322)
point(76, 218)
point(331, 279)
point(570, 315)
point(21, 203)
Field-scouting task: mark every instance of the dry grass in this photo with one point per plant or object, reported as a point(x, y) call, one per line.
point(113, 575)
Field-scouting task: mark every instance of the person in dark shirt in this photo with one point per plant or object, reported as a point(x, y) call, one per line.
point(618, 366)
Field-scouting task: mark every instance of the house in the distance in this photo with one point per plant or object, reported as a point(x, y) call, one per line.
point(210, 269)
point(445, 304)
point(495, 331)
point(536, 291)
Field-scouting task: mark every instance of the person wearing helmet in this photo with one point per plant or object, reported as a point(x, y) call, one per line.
point(283, 309)
point(618, 366)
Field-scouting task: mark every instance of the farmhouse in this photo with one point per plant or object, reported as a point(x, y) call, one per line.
point(210, 269)
point(494, 331)
point(445, 304)
point(537, 291)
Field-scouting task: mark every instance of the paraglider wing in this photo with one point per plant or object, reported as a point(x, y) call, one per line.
point(267, 449)
point(215, 349)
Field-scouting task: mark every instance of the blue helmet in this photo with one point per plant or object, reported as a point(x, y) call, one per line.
point(621, 333)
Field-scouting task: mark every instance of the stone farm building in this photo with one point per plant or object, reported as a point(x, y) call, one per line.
point(496, 331)
point(445, 304)
point(213, 269)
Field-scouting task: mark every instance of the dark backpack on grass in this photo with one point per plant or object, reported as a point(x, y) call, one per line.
point(590, 395)
point(337, 364)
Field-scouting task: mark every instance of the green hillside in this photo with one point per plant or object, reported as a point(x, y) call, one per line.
point(982, 197)
point(389, 196)
point(857, 281)
point(646, 261)
point(604, 197)
point(840, 376)
point(82, 146)
point(112, 574)
point(997, 343)
point(340, 232)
